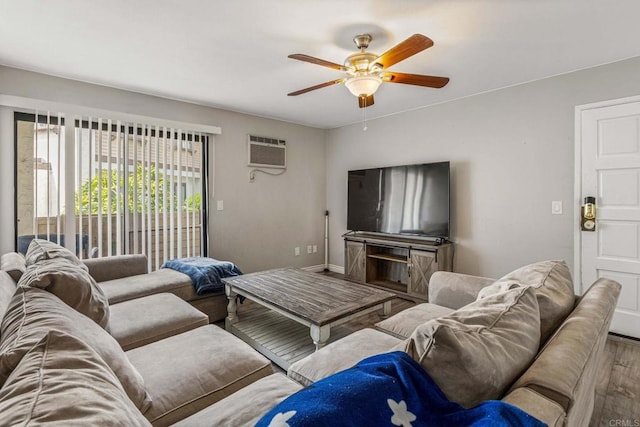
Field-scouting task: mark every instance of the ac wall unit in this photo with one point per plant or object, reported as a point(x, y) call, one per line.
point(267, 152)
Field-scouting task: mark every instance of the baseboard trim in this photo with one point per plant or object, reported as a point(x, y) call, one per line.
point(314, 268)
point(321, 267)
point(336, 268)
point(623, 338)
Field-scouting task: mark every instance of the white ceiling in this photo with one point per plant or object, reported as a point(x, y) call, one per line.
point(233, 54)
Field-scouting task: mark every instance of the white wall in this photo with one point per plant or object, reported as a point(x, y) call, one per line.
point(512, 153)
point(261, 222)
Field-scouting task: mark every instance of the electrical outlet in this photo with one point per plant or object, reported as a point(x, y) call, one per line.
point(309, 249)
point(315, 248)
point(296, 251)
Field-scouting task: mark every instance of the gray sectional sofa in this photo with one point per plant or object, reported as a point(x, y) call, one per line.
point(139, 354)
point(538, 350)
point(124, 351)
point(125, 277)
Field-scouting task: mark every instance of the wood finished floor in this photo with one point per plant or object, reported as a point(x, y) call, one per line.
point(618, 388)
point(617, 402)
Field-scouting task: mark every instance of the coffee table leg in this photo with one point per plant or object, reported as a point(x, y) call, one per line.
point(386, 309)
point(232, 316)
point(320, 335)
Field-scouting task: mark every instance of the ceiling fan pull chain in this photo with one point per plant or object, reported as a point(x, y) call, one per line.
point(364, 119)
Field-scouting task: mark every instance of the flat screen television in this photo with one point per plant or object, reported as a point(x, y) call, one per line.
point(408, 199)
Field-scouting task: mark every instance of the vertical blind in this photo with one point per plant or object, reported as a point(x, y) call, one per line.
point(137, 188)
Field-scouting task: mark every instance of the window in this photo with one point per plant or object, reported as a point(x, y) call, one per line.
point(110, 188)
point(181, 192)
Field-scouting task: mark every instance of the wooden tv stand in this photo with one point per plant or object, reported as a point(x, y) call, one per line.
point(402, 264)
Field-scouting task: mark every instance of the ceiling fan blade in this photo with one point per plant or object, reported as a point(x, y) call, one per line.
point(414, 44)
point(365, 101)
point(415, 79)
point(320, 86)
point(317, 61)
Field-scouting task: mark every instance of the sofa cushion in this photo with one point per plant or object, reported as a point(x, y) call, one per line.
point(40, 249)
point(187, 372)
point(475, 353)
point(13, 263)
point(163, 280)
point(116, 266)
point(144, 320)
point(341, 354)
point(455, 290)
point(63, 381)
point(233, 410)
point(33, 312)
point(553, 288)
point(213, 305)
point(403, 324)
point(72, 284)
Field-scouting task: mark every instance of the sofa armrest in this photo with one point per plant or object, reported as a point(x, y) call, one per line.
point(566, 368)
point(116, 267)
point(455, 290)
point(537, 405)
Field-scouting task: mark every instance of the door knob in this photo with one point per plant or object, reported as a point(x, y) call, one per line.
point(588, 214)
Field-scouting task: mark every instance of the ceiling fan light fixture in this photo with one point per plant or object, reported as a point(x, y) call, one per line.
point(363, 85)
point(366, 71)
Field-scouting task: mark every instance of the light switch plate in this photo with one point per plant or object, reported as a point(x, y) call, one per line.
point(220, 205)
point(556, 207)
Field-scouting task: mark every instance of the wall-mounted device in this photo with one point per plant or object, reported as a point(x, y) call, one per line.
point(588, 214)
point(267, 152)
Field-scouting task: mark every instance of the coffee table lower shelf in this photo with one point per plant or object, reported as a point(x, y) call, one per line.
point(280, 339)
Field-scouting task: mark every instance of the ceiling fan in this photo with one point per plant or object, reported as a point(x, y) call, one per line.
point(366, 71)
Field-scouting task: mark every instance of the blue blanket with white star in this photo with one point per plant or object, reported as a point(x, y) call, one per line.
point(205, 273)
point(388, 389)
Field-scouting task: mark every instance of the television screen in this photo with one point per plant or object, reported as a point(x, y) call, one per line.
point(410, 199)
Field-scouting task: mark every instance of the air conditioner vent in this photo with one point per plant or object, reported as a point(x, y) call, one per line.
point(267, 152)
point(266, 140)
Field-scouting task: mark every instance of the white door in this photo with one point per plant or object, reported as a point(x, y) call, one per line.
point(609, 145)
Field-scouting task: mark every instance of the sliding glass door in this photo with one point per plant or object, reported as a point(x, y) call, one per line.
point(110, 188)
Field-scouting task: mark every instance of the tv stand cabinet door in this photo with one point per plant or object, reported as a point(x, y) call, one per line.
point(422, 265)
point(354, 263)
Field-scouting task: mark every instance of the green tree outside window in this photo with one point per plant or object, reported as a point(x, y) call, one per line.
point(90, 191)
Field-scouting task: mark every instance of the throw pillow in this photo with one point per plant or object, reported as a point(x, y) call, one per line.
point(402, 325)
point(14, 264)
point(33, 312)
point(475, 353)
point(63, 381)
point(40, 249)
point(553, 287)
point(71, 284)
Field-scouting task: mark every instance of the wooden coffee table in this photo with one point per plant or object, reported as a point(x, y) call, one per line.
point(302, 305)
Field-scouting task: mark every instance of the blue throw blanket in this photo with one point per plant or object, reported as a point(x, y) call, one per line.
point(205, 273)
point(388, 389)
